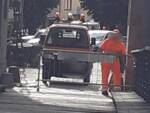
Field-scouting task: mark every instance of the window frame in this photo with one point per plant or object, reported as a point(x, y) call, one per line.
point(67, 5)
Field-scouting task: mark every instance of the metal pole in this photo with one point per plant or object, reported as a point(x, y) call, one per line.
point(3, 33)
point(138, 32)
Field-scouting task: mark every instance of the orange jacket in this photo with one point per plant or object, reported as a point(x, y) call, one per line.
point(112, 46)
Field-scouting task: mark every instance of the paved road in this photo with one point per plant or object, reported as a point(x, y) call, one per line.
point(58, 98)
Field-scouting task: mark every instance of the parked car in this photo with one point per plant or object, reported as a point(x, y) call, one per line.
point(25, 53)
point(66, 38)
point(99, 35)
point(38, 35)
point(91, 25)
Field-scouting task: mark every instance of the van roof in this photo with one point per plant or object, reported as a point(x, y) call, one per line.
point(69, 26)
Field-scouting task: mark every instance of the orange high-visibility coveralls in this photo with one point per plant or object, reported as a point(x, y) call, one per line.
point(111, 46)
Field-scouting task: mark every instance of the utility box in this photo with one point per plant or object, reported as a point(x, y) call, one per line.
point(142, 72)
point(6, 79)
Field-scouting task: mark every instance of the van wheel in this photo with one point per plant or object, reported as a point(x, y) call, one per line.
point(45, 72)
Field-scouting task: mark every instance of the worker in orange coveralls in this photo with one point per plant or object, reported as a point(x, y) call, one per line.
point(112, 45)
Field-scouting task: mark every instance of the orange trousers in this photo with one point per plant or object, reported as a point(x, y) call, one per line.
point(115, 68)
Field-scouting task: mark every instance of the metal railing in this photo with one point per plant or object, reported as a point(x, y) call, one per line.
point(142, 73)
point(93, 57)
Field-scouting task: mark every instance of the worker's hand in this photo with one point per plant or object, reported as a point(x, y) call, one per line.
point(96, 49)
point(130, 56)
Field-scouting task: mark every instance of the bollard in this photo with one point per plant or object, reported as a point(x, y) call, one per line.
point(16, 75)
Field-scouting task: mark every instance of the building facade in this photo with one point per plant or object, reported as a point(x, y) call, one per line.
point(71, 6)
point(67, 6)
point(15, 16)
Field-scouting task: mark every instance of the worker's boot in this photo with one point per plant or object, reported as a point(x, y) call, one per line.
point(45, 83)
point(105, 92)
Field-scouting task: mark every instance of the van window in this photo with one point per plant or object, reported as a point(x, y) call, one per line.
point(68, 37)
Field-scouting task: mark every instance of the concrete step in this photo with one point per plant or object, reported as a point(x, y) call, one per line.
point(130, 102)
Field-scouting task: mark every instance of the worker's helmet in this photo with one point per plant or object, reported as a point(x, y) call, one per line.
point(57, 16)
point(57, 13)
point(104, 28)
point(70, 17)
point(82, 17)
point(70, 14)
